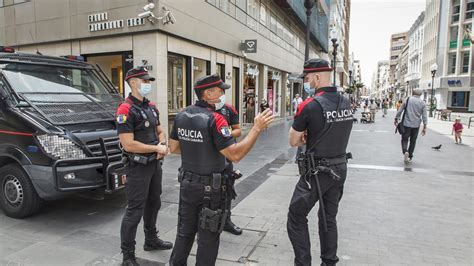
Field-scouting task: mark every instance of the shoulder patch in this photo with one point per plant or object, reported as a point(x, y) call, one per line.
point(221, 123)
point(122, 119)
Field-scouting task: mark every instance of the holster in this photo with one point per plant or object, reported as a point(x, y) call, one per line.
point(211, 220)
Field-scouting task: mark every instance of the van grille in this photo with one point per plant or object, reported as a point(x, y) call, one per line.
point(112, 146)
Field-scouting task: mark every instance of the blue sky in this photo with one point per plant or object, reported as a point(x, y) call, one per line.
point(372, 23)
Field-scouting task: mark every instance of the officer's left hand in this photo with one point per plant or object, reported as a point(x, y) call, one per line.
point(162, 151)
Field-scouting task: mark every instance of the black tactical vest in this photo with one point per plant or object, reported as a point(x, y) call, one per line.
point(198, 153)
point(145, 124)
point(331, 142)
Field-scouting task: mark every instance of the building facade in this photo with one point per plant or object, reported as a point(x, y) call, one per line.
point(401, 85)
point(415, 55)
point(397, 42)
point(380, 85)
point(455, 87)
point(339, 22)
point(206, 37)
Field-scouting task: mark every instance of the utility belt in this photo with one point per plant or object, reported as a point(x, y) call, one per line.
point(140, 158)
point(309, 168)
point(215, 185)
point(308, 162)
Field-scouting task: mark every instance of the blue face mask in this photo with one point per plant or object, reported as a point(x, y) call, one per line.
point(145, 89)
point(308, 89)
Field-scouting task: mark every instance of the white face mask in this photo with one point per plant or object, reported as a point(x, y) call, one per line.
point(310, 91)
point(220, 104)
point(145, 89)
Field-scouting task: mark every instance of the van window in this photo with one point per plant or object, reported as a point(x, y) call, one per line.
point(51, 81)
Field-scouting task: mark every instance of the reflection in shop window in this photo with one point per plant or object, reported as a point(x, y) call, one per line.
point(176, 83)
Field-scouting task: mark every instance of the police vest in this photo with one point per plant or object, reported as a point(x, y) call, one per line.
point(331, 142)
point(198, 154)
point(145, 123)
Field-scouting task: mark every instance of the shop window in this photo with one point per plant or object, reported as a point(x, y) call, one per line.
point(465, 62)
point(249, 90)
point(452, 63)
point(456, 10)
point(112, 65)
point(460, 99)
point(176, 83)
point(469, 9)
point(201, 68)
point(220, 70)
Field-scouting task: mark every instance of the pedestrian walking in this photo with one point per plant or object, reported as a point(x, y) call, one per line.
point(296, 102)
point(373, 109)
point(144, 143)
point(415, 113)
point(202, 137)
point(384, 107)
point(457, 130)
point(323, 124)
point(232, 117)
point(398, 104)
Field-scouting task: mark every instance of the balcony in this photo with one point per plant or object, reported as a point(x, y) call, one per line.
point(466, 42)
point(319, 20)
point(453, 44)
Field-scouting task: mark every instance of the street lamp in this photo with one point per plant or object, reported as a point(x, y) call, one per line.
point(308, 4)
point(433, 69)
point(334, 53)
point(350, 83)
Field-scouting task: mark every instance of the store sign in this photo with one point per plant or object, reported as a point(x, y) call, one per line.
point(453, 82)
point(249, 46)
point(99, 22)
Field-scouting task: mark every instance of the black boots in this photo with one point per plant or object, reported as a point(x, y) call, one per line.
point(129, 258)
point(153, 242)
point(232, 228)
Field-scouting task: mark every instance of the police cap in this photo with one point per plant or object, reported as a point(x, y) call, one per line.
point(210, 81)
point(139, 72)
point(315, 65)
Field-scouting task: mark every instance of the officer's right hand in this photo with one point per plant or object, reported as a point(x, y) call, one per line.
point(263, 119)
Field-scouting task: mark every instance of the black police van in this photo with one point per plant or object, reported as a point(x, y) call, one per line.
point(57, 131)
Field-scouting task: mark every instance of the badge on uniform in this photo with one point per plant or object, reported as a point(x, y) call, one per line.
point(147, 124)
point(122, 119)
point(226, 132)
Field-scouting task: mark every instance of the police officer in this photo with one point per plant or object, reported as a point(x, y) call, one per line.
point(232, 117)
point(144, 143)
point(324, 124)
point(204, 140)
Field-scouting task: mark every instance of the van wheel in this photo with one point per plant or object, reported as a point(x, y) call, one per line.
point(18, 197)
